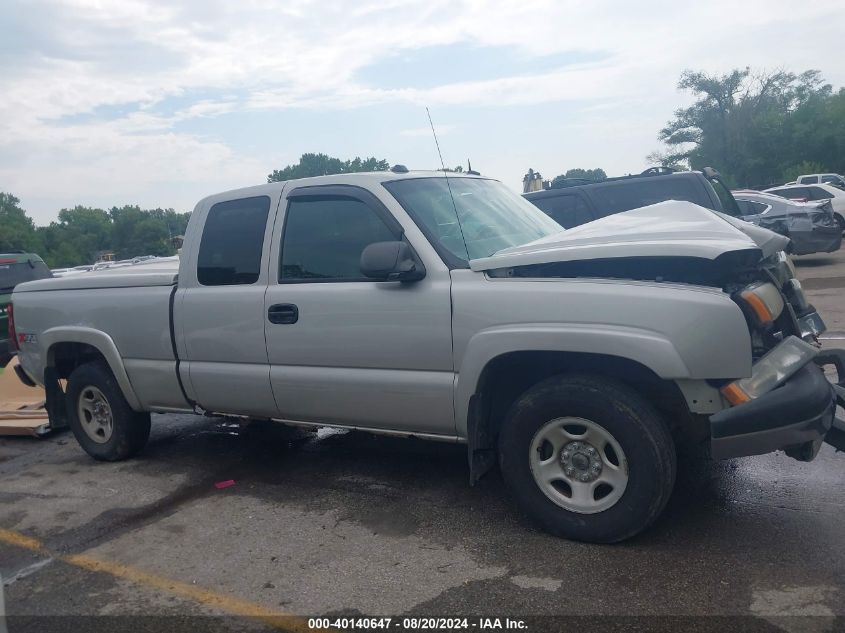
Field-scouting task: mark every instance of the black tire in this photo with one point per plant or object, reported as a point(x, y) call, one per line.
point(130, 429)
point(633, 423)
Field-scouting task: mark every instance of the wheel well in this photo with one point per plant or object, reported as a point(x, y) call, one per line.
point(65, 357)
point(507, 376)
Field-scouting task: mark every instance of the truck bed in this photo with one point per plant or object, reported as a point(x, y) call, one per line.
point(128, 305)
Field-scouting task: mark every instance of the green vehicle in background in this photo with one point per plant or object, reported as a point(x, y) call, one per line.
point(15, 268)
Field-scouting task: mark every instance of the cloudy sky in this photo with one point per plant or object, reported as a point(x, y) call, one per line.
point(111, 102)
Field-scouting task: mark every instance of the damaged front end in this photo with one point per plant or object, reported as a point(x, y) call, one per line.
point(787, 402)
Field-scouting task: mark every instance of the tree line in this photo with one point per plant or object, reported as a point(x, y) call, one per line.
point(83, 233)
point(757, 128)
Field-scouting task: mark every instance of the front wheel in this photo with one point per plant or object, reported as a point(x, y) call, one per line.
point(101, 420)
point(587, 458)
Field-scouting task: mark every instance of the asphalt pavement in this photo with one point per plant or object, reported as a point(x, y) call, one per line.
point(218, 526)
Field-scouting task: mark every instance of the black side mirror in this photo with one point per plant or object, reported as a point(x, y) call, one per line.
point(391, 261)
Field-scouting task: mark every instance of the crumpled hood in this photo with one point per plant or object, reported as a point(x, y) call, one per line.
point(666, 229)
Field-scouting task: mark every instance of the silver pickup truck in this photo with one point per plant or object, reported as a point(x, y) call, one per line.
point(451, 309)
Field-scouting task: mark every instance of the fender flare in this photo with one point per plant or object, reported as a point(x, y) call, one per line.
point(100, 341)
point(648, 348)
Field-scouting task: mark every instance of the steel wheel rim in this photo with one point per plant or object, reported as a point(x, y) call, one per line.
point(578, 465)
point(95, 415)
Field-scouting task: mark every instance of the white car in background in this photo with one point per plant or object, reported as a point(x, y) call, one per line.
point(811, 193)
point(829, 179)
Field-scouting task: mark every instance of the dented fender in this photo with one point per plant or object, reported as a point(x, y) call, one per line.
point(682, 333)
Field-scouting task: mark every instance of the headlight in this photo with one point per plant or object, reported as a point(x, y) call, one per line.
point(770, 371)
point(763, 300)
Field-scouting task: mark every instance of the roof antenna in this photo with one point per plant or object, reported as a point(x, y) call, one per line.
point(437, 144)
point(446, 176)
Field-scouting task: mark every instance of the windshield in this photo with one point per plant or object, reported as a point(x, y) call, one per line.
point(480, 217)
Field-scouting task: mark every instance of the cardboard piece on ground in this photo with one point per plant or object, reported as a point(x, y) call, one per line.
point(21, 408)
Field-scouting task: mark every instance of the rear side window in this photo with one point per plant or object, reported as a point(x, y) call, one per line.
point(817, 193)
point(324, 237)
point(805, 180)
point(14, 272)
point(749, 207)
point(617, 197)
point(568, 211)
point(232, 240)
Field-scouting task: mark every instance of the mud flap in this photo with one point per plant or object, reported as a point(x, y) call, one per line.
point(481, 450)
point(55, 402)
point(836, 357)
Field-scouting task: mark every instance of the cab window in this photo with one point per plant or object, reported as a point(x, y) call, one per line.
point(323, 239)
point(232, 240)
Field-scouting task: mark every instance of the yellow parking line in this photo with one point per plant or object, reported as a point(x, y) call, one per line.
point(19, 540)
point(207, 597)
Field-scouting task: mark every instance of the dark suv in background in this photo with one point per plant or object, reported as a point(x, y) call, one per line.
point(15, 268)
point(579, 201)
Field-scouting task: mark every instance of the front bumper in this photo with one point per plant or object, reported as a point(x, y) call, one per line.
point(797, 416)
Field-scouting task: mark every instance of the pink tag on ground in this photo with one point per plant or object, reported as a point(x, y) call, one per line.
point(225, 484)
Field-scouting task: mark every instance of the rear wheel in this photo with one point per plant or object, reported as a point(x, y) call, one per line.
point(101, 420)
point(587, 458)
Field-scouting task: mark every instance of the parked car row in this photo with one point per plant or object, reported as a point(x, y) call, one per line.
point(813, 216)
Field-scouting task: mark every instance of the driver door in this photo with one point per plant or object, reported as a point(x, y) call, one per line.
point(344, 349)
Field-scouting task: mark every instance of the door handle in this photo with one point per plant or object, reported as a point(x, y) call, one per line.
point(283, 313)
